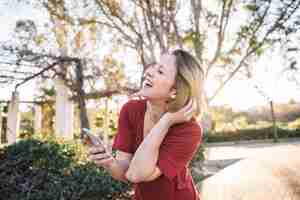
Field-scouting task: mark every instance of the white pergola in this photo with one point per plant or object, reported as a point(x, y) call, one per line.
point(19, 73)
point(63, 118)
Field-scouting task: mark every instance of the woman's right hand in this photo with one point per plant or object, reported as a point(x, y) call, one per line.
point(100, 156)
point(183, 115)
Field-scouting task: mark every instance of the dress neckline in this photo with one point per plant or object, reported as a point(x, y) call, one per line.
point(143, 118)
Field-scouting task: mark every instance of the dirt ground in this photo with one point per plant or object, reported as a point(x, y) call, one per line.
point(266, 171)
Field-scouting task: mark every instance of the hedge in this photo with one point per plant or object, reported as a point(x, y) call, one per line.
point(42, 170)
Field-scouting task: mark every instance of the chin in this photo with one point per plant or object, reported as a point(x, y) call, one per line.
point(155, 99)
point(150, 95)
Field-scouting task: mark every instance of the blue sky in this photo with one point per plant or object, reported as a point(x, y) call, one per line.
point(240, 94)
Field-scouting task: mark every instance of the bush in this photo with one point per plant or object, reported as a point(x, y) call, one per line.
point(295, 124)
point(251, 134)
point(35, 170)
point(197, 159)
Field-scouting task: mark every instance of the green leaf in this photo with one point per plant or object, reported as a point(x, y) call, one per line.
point(251, 7)
point(188, 39)
point(259, 51)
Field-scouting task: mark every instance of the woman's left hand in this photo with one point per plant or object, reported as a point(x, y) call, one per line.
point(183, 115)
point(100, 156)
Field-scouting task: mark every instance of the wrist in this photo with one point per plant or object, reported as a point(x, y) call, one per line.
point(111, 164)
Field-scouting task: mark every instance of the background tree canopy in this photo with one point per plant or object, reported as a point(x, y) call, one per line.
point(227, 36)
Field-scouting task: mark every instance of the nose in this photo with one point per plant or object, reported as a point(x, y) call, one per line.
point(149, 72)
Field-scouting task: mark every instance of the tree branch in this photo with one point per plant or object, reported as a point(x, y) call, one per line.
point(222, 28)
point(106, 93)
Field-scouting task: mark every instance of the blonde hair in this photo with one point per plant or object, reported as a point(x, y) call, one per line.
point(189, 82)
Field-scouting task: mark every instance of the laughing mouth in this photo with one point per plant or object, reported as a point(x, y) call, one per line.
point(148, 83)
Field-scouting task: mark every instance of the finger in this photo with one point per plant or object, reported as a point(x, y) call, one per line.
point(190, 111)
point(103, 161)
point(185, 108)
point(188, 115)
point(188, 106)
point(96, 140)
point(193, 107)
point(108, 148)
point(100, 156)
point(97, 149)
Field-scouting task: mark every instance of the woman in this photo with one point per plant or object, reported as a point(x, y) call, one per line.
point(158, 135)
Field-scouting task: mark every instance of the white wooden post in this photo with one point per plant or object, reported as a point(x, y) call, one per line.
point(37, 118)
point(13, 119)
point(64, 114)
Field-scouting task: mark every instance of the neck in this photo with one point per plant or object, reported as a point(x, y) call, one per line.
point(156, 109)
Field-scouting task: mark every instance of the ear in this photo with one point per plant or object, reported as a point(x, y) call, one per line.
point(173, 93)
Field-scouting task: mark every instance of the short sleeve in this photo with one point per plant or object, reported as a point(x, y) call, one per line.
point(124, 138)
point(178, 149)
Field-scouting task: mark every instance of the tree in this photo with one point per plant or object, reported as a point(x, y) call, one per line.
point(156, 26)
point(290, 55)
point(224, 45)
point(78, 68)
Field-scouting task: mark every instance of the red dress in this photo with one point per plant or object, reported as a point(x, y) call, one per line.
point(175, 153)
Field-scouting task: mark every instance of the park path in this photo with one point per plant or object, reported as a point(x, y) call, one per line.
point(235, 150)
point(220, 155)
point(255, 170)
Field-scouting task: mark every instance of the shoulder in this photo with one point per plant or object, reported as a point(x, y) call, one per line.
point(132, 111)
point(133, 104)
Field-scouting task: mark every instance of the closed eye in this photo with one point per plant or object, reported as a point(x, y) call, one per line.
point(160, 69)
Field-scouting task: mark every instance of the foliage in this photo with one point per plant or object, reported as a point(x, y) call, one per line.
point(199, 155)
point(251, 134)
point(235, 37)
point(225, 119)
point(26, 125)
point(109, 114)
point(33, 169)
point(222, 113)
point(232, 125)
point(295, 124)
point(226, 36)
point(48, 113)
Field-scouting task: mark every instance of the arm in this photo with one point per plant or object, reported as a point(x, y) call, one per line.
point(143, 166)
point(115, 166)
point(118, 168)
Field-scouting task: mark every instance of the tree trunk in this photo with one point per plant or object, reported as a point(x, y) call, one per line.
point(84, 121)
point(275, 135)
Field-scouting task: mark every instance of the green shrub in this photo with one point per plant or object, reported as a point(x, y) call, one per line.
point(36, 170)
point(198, 157)
point(251, 134)
point(295, 124)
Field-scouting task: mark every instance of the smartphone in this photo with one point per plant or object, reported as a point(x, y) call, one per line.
point(94, 140)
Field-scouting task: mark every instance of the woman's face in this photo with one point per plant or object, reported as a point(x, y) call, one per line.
point(159, 79)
